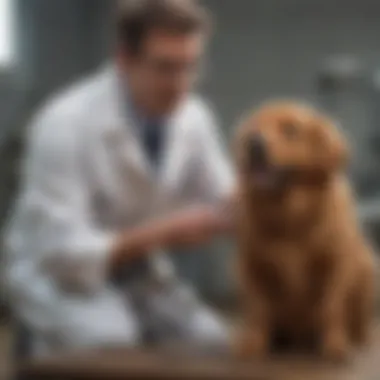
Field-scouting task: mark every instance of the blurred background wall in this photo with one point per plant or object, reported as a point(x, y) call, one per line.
point(324, 51)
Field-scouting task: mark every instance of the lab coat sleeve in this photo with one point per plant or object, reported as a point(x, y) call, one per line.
point(215, 176)
point(56, 220)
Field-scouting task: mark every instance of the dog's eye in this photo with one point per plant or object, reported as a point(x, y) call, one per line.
point(290, 131)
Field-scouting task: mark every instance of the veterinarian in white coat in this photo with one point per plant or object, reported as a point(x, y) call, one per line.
point(90, 196)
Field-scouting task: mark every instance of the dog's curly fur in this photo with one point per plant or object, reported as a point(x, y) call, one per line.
point(304, 267)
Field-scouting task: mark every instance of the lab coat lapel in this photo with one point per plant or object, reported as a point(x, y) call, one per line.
point(170, 152)
point(173, 155)
point(128, 149)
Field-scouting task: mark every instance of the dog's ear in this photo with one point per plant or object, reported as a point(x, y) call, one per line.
point(331, 147)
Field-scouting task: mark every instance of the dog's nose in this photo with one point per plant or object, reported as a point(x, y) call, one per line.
point(257, 149)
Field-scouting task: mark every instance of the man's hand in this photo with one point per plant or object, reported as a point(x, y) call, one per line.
point(193, 227)
point(185, 228)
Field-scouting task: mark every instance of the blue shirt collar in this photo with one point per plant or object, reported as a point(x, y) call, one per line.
point(149, 131)
point(140, 120)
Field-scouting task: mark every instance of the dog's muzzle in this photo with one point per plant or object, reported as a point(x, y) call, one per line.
point(257, 150)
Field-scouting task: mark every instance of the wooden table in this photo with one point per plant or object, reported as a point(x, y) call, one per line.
point(129, 364)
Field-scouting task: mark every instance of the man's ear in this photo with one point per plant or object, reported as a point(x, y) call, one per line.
point(331, 145)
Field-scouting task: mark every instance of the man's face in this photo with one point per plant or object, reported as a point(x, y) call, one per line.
point(164, 70)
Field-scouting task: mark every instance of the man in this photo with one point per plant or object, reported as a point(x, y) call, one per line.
point(119, 167)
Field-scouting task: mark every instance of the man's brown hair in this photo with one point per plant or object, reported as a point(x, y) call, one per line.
point(137, 18)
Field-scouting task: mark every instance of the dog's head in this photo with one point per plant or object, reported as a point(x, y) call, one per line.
point(286, 142)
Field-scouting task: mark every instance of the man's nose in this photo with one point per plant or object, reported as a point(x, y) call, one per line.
point(257, 148)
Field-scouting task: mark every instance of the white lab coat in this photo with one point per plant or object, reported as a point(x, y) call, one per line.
point(86, 178)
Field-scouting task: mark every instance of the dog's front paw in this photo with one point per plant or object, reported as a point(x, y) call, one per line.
point(250, 343)
point(336, 346)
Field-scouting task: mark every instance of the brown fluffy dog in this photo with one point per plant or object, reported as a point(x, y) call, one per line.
point(305, 271)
